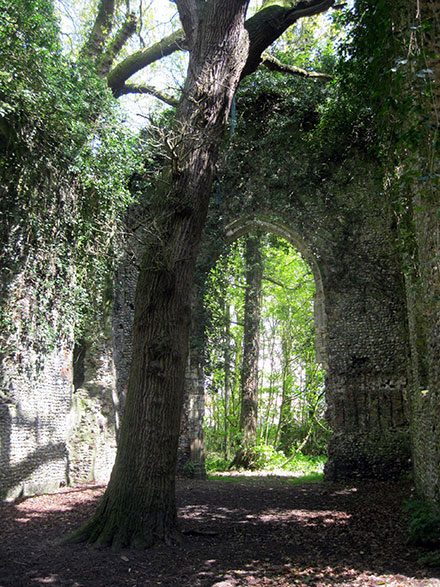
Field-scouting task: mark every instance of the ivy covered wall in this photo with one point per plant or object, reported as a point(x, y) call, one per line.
point(351, 171)
point(281, 169)
point(60, 143)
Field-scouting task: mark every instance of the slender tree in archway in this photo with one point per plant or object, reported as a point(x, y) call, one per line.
point(251, 341)
point(138, 507)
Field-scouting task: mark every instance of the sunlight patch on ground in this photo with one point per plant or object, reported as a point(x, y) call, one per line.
point(262, 473)
point(310, 518)
point(199, 512)
point(41, 505)
point(288, 575)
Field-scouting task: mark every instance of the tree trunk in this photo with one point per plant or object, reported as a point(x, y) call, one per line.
point(284, 422)
point(138, 507)
point(227, 369)
point(251, 340)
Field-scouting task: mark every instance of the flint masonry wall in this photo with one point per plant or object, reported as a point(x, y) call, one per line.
point(53, 433)
point(423, 265)
point(35, 404)
point(91, 438)
point(56, 408)
point(338, 210)
point(60, 426)
point(423, 290)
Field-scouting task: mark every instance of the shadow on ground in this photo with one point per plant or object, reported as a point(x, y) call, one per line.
point(252, 532)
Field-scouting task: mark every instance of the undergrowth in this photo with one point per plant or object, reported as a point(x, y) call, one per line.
point(423, 523)
point(269, 459)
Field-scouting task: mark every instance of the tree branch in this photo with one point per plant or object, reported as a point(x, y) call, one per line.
point(283, 285)
point(94, 45)
point(140, 59)
point(145, 89)
point(263, 28)
point(274, 64)
point(126, 31)
point(272, 21)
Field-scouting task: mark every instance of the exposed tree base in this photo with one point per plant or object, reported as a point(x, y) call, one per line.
point(113, 530)
point(245, 458)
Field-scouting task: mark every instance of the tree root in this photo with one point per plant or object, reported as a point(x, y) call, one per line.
point(108, 529)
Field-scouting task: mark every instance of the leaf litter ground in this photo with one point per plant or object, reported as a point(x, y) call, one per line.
point(242, 531)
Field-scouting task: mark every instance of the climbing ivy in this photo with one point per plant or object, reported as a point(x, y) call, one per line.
point(384, 92)
point(64, 163)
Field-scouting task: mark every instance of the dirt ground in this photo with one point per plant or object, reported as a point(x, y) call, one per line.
point(245, 531)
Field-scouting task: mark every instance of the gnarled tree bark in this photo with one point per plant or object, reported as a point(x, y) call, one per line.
point(138, 506)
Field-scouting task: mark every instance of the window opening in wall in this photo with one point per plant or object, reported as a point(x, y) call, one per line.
point(285, 407)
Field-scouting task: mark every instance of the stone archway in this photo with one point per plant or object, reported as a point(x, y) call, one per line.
point(360, 326)
point(191, 457)
point(333, 208)
point(242, 226)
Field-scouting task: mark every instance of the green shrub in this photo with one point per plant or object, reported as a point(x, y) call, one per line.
point(266, 456)
point(215, 463)
point(306, 464)
point(423, 523)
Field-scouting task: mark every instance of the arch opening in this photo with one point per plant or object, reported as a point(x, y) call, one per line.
point(290, 400)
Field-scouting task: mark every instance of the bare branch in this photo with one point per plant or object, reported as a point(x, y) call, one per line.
point(145, 89)
point(270, 23)
point(126, 31)
point(140, 59)
point(275, 65)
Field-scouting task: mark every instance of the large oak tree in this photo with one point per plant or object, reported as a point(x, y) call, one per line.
point(138, 507)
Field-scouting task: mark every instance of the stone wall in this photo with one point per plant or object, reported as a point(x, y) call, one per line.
point(341, 222)
point(424, 311)
point(191, 451)
point(35, 406)
point(57, 423)
point(421, 248)
point(336, 213)
point(93, 420)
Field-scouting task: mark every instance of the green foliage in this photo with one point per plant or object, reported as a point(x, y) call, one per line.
point(215, 463)
point(291, 383)
point(307, 464)
point(384, 93)
point(269, 459)
point(64, 163)
point(423, 523)
point(265, 456)
point(311, 43)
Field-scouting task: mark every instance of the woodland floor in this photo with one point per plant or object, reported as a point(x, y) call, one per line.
point(243, 531)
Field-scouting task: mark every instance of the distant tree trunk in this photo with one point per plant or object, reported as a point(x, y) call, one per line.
point(267, 419)
point(251, 342)
point(284, 423)
point(227, 370)
point(138, 507)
